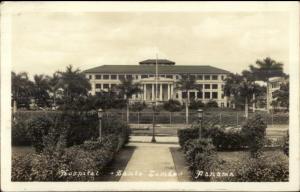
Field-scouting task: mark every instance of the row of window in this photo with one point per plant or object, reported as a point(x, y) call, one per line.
point(200, 95)
point(114, 77)
point(205, 86)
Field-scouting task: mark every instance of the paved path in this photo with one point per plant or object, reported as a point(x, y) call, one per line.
point(150, 162)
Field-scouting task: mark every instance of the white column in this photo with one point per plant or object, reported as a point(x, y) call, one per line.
point(168, 86)
point(153, 95)
point(93, 88)
point(172, 89)
point(145, 94)
point(196, 95)
point(160, 92)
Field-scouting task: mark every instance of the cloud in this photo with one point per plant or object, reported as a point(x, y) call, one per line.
point(232, 41)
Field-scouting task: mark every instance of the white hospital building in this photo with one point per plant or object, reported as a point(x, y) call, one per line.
point(210, 80)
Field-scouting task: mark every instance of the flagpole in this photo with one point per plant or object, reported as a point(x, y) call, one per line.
point(153, 140)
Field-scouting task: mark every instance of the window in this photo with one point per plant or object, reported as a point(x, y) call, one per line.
point(207, 95)
point(90, 77)
point(200, 77)
point(113, 76)
point(144, 76)
point(222, 96)
point(215, 95)
point(151, 75)
point(200, 95)
point(177, 76)
point(169, 76)
point(215, 86)
point(105, 86)
point(192, 95)
point(162, 75)
point(105, 76)
point(184, 95)
point(98, 86)
point(222, 77)
point(207, 77)
point(215, 77)
point(193, 76)
point(128, 76)
point(112, 86)
point(201, 86)
point(98, 76)
point(121, 77)
point(222, 105)
point(207, 86)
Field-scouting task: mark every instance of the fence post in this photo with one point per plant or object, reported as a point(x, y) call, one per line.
point(170, 118)
point(237, 119)
point(138, 119)
point(220, 118)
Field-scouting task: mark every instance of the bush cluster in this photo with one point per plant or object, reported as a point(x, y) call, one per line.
point(222, 139)
point(76, 163)
point(201, 156)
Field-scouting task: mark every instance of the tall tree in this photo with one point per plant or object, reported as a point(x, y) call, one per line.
point(126, 89)
point(74, 84)
point(241, 88)
point(22, 89)
point(54, 85)
point(266, 69)
point(41, 90)
point(186, 84)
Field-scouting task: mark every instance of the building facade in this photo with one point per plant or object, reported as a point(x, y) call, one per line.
point(274, 85)
point(210, 80)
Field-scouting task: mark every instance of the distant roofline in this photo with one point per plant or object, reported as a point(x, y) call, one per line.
point(150, 69)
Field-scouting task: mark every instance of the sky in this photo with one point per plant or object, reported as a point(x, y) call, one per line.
point(43, 43)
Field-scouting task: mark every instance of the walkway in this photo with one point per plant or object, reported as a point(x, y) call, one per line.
point(150, 161)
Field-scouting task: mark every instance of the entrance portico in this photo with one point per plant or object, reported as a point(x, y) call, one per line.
point(165, 89)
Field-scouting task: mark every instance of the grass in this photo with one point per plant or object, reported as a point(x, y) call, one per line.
point(22, 150)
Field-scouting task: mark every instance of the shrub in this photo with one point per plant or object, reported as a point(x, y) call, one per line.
point(211, 104)
point(222, 139)
point(138, 106)
point(77, 163)
point(201, 157)
point(254, 131)
point(286, 145)
point(194, 104)
point(266, 168)
point(172, 105)
point(186, 134)
point(19, 133)
point(38, 127)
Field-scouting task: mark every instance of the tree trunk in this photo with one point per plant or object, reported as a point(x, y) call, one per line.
point(246, 107)
point(14, 106)
point(253, 104)
point(127, 112)
point(268, 99)
point(186, 111)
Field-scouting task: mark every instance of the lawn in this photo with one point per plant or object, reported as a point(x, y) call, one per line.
point(22, 150)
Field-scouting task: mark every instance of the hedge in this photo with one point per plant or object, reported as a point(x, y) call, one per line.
point(77, 163)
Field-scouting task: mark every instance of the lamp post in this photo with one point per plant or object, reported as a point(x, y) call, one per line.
point(153, 140)
point(200, 119)
point(100, 115)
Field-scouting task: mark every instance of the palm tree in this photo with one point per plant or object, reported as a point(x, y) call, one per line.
point(41, 88)
point(267, 68)
point(240, 87)
point(22, 88)
point(54, 85)
point(73, 83)
point(185, 84)
point(126, 89)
